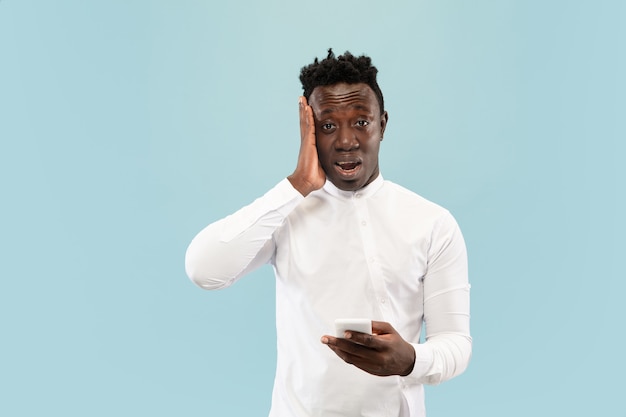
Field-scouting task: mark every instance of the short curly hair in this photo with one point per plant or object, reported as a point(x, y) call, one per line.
point(344, 69)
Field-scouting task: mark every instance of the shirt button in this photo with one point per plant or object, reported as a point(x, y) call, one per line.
point(363, 223)
point(382, 300)
point(357, 196)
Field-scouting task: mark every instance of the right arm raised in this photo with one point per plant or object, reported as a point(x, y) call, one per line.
point(226, 250)
point(230, 248)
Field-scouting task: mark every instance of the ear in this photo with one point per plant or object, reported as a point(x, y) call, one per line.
point(384, 118)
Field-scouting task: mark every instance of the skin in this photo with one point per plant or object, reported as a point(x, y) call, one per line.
point(340, 135)
point(382, 353)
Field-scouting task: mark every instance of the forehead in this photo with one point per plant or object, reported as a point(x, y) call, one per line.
point(329, 98)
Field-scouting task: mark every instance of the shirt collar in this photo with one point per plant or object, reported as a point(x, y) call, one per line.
point(366, 191)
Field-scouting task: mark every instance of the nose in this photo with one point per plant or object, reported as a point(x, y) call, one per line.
point(346, 141)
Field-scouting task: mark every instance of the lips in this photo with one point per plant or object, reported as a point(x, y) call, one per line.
point(348, 169)
point(348, 166)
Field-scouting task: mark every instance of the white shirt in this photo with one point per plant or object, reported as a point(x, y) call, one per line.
point(381, 252)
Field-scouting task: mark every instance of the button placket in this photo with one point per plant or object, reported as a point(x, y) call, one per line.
point(370, 252)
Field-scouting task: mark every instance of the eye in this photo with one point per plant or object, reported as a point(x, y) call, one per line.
point(362, 123)
point(327, 126)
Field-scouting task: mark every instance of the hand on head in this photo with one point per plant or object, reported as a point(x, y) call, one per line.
point(308, 175)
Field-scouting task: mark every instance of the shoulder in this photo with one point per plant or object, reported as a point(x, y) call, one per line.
point(405, 197)
point(413, 210)
point(419, 213)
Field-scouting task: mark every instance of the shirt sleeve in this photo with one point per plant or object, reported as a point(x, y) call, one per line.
point(448, 347)
point(226, 250)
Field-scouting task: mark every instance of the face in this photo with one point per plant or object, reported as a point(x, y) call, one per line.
point(349, 127)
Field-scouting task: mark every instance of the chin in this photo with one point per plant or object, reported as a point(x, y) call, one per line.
point(347, 185)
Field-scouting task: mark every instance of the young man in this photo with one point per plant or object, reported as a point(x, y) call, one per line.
point(345, 243)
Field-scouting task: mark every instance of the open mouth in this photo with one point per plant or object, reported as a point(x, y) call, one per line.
point(348, 168)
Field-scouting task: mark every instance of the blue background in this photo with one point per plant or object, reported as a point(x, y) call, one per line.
point(127, 126)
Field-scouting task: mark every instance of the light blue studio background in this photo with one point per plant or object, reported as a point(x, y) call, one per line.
point(126, 127)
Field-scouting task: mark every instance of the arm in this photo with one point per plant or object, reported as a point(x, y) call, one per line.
point(448, 347)
point(447, 350)
point(230, 248)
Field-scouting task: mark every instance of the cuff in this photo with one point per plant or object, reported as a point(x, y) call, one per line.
point(423, 367)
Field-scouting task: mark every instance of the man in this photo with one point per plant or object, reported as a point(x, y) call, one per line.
point(345, 243)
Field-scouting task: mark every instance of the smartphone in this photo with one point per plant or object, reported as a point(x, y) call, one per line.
point(357, 325)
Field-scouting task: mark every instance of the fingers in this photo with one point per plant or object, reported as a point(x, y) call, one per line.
point(371, 341)
point(379, 328)
point(363, 339)
point(354, 342)
point(367, 359)
point(308, 175)
point(382, 327)
point(307, 124)
point(383, 353)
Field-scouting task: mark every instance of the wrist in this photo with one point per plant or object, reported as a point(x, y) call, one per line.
point(302, 186)
point(409, 369)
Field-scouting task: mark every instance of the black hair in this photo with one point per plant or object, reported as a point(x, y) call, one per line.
point(344, 69)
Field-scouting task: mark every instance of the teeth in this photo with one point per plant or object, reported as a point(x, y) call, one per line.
point(348, 166)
